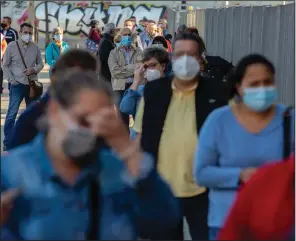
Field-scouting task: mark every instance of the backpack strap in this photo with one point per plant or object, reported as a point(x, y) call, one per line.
point(287, 133)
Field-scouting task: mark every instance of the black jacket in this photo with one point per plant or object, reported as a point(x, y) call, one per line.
point(11, 35)
point(106, 46)
point(157, 96)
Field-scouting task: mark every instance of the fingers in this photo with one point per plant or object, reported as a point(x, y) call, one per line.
point(104, 121)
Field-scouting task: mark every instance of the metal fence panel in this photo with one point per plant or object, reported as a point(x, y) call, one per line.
point(235, 32)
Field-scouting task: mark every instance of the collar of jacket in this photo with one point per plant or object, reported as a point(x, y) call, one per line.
point(21, 42)
point(108, 36)
point(132, 47)
point(157, 96)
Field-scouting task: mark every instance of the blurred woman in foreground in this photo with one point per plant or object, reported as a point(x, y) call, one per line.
point(25, 128)
point(86, 179)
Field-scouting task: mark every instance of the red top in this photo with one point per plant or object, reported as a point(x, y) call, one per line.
point(169, 46)
point(94, 35)
point(265, 206)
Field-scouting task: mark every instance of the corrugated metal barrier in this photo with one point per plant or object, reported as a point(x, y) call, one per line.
point(237, 31)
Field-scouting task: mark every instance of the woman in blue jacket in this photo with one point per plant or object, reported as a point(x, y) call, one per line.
point(82, 178)
point(236, 140)
point(56, 47)
point(154, 63)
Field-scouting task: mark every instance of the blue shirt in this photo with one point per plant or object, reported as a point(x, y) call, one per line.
point(127, 55)
point(50, 209)
point(225, 148)
point(146, 40)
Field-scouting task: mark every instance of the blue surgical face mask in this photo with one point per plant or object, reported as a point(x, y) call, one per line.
point(141, 27)
point(126, 41)
point(260, 99)
point(58, 37)
point(117, 44)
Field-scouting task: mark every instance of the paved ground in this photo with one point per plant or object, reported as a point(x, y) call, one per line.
point(43, 77)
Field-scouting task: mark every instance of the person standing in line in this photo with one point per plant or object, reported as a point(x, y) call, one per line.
point(134, 19)
point(55, 48)
point(148, 35)
point(122, 63)
point(136, 38)
point(117, 40)
point(17, 75)
point(82, 178)
point(94, 33)
point(3, 48)
point(236, 140)
point(94, 37)
point(153, 65)
point(6, 29)
point(106, 46)
point(163, 24)
point(26, 127)
point(168, 122)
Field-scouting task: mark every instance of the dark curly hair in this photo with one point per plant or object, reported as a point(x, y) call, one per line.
point(160, 54)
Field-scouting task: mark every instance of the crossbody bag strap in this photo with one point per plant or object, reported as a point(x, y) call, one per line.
point(93, 232)
point(21, 54)
point(287, 133)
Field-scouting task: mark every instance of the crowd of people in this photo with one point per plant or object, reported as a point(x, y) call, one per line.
point(138, 131)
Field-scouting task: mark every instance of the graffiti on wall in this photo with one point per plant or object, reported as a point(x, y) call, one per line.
point(76, 20)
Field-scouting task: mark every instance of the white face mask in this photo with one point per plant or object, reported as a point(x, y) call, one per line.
point(186, 67)
point(152, 74)
point(58, 37)
point(27, 38)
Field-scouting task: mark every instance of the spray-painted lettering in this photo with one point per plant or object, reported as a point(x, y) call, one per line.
point(76, 20)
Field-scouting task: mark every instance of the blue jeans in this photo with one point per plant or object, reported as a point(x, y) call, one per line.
point(16, 95)
point(213, 233)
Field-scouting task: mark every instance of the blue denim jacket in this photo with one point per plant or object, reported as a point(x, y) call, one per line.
point(130, 101)
point(49, 209)
point(25, 129)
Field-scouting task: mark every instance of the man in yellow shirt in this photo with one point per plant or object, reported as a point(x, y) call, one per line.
point(168, 120)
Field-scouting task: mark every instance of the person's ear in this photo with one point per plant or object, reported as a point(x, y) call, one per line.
point(239, 89)
point(163, 67)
